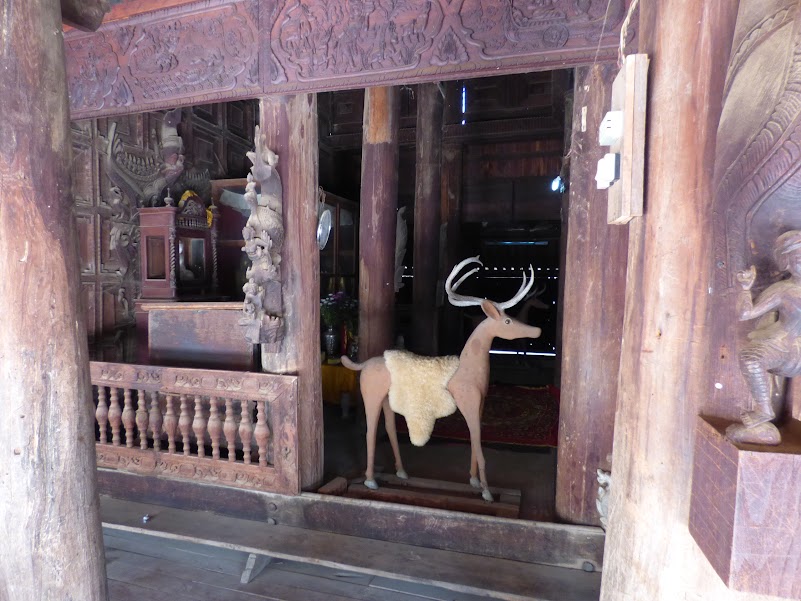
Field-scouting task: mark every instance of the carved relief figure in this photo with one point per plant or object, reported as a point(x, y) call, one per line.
point(264, 239)
point(518, 26)
point(144, 178)
point(351, 36)
point(774, 347)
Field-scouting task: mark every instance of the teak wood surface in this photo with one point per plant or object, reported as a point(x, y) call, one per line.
point(151, 55)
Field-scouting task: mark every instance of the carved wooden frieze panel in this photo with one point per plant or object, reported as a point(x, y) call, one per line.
point(228, 49)
point(198, 52)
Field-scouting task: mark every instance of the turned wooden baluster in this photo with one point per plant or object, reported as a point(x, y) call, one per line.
point(246, 430)
point(199, 427)
point(114, 416)
point(185, 423)
point(262, 432)
point(141, 418)
point(101, 414)
point(170, 423)
point(215, 427)
point(155, 420)
point(128, 418)
point(229, 427)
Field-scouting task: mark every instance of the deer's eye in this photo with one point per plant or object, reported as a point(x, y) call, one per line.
point(507, 321)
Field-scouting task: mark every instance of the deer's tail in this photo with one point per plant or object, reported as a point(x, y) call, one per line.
point(350, 364)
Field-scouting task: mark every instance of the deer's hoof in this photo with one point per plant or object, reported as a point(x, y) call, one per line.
point(475, 482)
point(487, 495)
point(402, 474)
point(371, 484)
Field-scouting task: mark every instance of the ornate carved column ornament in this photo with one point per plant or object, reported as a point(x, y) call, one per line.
point(264, 240)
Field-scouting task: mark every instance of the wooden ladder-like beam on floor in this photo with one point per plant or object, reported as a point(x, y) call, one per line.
point(501, 578)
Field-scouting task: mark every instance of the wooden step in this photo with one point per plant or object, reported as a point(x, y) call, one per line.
point(473, 574)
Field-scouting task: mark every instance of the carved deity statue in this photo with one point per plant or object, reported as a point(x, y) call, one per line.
point(264, 239)
point(774, 348)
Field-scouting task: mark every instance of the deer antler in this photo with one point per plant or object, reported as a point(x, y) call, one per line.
point(459, 300)
point(524, 288)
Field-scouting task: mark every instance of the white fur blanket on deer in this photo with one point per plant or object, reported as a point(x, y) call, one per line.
point(418, 390)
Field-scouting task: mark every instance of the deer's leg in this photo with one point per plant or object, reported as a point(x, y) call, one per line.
point(389, 421)
point(471, 412)
point(474, 481)
point(372, 410)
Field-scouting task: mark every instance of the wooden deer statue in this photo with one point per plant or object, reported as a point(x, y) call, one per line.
point(423, 389)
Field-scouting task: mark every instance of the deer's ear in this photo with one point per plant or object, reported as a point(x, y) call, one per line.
point(490, 310)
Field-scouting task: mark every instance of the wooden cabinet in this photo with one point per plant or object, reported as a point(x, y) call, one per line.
point(339, 260)
point(178, 251)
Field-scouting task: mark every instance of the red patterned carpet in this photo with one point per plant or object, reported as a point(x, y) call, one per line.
point(512, 415)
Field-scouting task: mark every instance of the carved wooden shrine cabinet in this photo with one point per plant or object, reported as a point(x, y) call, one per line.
point(746, 498)
point(178, 251)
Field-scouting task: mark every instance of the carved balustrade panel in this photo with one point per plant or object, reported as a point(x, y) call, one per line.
point(229, 49)
point(233, 428)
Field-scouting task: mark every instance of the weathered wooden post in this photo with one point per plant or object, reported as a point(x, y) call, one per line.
point(379, 199)
point(595, 285)
point(49, 512)
point(427, 206)
point(290, 126)
point(649, 553)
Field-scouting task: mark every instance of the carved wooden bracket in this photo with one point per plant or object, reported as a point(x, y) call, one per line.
point(264, 239)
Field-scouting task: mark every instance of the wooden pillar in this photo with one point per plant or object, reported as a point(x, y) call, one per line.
point(290, 124)
point(594, 294)
point(49, 513)
point(379, 200)
point(450, 318)
point(649, 553)
point(427, 204)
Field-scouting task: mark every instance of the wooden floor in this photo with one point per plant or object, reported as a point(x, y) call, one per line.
point(147, 568)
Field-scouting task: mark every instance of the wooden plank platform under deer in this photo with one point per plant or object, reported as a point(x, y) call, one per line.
point(423, 389)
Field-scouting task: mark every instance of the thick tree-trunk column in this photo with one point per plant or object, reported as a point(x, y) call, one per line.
point(290, 123)
point(594, 294)
point(49, 512)
point(649, 553)
point(427, 207)
point(377, 220)
point(450, 318)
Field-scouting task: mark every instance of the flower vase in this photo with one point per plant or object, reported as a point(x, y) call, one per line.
point(331, 340)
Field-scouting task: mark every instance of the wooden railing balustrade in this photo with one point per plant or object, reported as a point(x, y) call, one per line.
point(233, 428)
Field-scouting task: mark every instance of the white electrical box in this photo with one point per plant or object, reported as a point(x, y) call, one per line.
point(611, 128)
point(622, 170)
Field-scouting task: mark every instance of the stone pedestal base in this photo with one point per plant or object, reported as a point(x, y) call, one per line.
point(745, 512)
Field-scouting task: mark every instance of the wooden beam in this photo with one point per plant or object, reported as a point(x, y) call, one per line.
point(290, 124)
point(377, 220)
point(595, 285)
point(49, 515)
point(86, 15)
point(427, 201)
point(275, 48)
point(663, 377)
point(563, 545)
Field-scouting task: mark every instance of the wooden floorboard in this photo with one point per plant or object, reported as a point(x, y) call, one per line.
point(459, 572)
point(273, 583)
